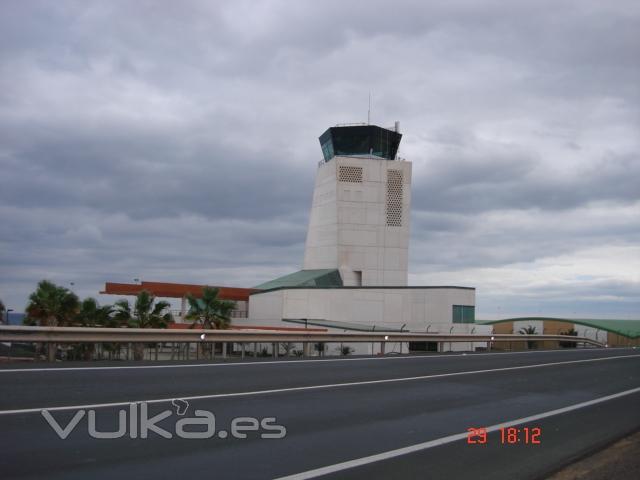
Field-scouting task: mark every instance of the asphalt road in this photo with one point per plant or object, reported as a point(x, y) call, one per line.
point(391, 417)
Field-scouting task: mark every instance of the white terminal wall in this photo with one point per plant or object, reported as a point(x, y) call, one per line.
point(348, 227)
point(417, 308)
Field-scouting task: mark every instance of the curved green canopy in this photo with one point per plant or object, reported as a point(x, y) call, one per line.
point(626, 328)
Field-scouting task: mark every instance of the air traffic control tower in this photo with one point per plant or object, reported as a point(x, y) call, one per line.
point(359, 222)
point(354, 276)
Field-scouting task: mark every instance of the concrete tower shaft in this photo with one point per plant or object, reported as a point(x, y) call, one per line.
point(360, 213)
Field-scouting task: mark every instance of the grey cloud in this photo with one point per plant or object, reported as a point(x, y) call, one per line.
point(596, 299)
point(454, 241)
point(152, 177)
point(470, 182)
point(178, 141)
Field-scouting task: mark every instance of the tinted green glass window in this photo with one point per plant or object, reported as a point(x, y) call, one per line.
point(327, 150)
point(360, 140)
point(464, 314)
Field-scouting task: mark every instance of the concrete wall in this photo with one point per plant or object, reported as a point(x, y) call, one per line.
point(615, 340)
point(417, 309)
point(515, 327)
point(591, 332)
point(349, 224)
point(553, 327)
point(503, 328)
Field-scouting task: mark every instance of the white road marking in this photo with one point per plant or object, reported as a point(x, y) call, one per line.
point(287, 362)
point(309, 387)
point(449, 439)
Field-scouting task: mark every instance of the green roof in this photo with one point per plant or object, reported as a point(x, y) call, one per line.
point(328, 277)
point(626, 328)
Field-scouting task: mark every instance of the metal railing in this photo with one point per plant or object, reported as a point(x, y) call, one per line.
point(150, 335)
point(178, 314)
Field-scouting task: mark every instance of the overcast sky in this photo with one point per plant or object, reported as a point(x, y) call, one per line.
point(178, 141)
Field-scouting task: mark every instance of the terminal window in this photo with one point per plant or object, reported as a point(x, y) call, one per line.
point(464, 314)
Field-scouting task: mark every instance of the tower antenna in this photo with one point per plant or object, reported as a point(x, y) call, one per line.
point(369, 111)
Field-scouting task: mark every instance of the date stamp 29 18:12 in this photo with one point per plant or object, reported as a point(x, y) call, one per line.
point(508, 436)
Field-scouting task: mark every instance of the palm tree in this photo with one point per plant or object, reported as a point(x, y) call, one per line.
point(51, 305)
point(91, 314)
point(287, 347)
point(145, 314)
point(210, 312)
point(104, 317)
point(344, 350)
point(530, 330)
point(571, 332)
